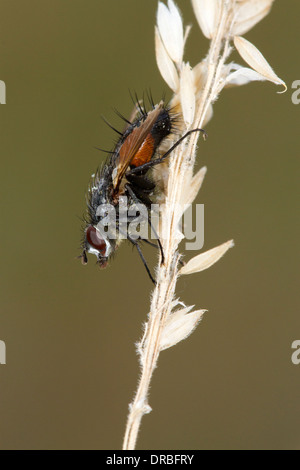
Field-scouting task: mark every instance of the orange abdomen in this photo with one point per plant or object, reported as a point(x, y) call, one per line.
point(144, 153)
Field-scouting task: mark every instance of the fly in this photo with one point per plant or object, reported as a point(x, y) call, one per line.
point(126, 176)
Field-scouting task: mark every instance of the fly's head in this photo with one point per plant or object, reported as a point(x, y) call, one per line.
point(96, 243)
point(96, 240)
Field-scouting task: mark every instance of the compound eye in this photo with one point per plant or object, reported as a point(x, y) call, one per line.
point(93, 239)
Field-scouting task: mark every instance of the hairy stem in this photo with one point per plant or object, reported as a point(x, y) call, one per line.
point(182, 161)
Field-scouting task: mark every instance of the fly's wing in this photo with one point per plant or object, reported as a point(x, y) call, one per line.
point(132, 143)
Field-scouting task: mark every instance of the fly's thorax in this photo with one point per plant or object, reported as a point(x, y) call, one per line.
point(162, 127)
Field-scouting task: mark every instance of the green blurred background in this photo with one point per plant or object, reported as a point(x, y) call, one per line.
point(70, 330)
